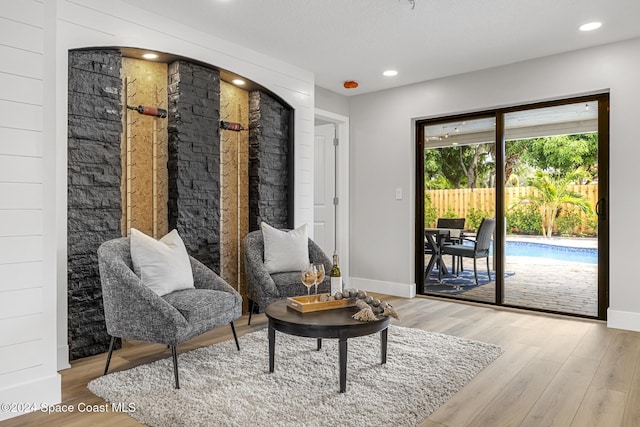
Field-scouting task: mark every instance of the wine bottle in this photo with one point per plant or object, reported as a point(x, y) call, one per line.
point(149, 111)
point(336, 275)
point(231, 126)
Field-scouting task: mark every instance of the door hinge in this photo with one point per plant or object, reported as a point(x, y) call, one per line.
point(335, 201)
point(336, 141)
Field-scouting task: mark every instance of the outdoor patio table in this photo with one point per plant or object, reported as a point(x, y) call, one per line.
point(435, 238)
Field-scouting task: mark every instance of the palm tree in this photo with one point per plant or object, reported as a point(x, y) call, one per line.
point(553, 192)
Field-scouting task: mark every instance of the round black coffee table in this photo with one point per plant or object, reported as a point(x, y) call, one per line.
point(336, 323)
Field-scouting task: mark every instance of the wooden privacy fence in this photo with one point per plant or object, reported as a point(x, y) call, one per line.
point(461, 201)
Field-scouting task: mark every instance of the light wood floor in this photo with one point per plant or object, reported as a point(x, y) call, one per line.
point(554, 372)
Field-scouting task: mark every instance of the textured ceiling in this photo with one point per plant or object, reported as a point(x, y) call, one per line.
point(342, 40)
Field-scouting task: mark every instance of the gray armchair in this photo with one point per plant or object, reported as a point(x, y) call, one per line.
point(264, 288)
point(133, 311)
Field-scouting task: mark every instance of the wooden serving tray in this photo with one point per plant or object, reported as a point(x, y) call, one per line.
point(309, 303)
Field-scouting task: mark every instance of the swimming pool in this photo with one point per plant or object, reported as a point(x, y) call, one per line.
point(543, 250)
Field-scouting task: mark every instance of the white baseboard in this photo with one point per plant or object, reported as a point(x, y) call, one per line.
point(63, 357)
point(627, 320)
point(31, 396)
point(406, 290)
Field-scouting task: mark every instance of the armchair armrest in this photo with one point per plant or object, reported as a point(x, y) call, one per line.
point(260, 285)
point(317, 256)
point(205, 278)
point(469, 235)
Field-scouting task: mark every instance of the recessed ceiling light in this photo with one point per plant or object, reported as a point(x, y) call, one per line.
point(590, 26)
point(238, 82)
point(150, 56)
point(390, 73)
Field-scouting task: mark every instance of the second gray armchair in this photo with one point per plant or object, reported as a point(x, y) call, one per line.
point(264, 288)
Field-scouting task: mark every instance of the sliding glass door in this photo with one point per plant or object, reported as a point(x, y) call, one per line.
point(550, 194)
point(539, 171)
point(459, 182)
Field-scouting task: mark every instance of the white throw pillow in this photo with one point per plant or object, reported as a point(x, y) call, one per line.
point(285, 250)
point(162, 265)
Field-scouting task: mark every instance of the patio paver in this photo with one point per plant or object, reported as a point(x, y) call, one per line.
point(543, 283)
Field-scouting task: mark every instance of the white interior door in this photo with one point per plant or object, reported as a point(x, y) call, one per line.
point(324, 183)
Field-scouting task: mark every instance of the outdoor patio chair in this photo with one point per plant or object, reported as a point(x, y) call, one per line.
point(480, 248)
point(454, 224)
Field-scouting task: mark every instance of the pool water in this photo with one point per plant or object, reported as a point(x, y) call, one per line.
point(542, 250)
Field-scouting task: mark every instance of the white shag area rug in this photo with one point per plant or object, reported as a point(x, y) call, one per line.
point(223, 387)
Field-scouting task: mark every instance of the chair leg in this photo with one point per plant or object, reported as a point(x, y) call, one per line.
point(488, 270)
point(235, 337)
point(111, 345)
point(475, 270)
point(174, 354)
point(250, 312)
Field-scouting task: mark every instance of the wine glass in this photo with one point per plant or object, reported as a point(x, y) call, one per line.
point(319, 275)
point(308, 276)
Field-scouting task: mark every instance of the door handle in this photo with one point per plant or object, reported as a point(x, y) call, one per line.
point(601, 209)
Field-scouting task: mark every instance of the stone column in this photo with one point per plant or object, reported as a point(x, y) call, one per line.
point(194, 159)
point(94, 202)
point(270, 166)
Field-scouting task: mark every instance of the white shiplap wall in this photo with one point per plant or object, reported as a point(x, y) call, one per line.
point(27, 347)
point(35, 35)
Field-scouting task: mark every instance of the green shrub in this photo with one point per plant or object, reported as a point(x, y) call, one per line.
point(571, 218)
point(592, 225)
point(430, 212)
point(567, 222)
point(474, 218)
point(450, 213)
point(524, 219)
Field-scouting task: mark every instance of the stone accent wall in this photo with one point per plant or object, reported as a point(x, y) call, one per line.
point(270, 171)
point(94, 203)
point(194, 173)
point(194, 159)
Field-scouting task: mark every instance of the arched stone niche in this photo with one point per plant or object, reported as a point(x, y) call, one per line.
point(157, 174)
